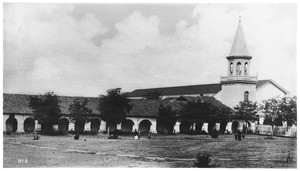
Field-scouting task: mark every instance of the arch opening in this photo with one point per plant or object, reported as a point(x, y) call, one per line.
point(95, 125)
point(246, 68)
point(162, 128)
point(111, 126)
point(185, 126)
point(63, 125)
point(79, 126)
point(127, 125)
point(231, 68)
point(29, 125)
point(199, 126)
point(144, 126)
point(238, 69)
point(234, 126)
point(11, 124)
point(223, 125)
point(211, 126)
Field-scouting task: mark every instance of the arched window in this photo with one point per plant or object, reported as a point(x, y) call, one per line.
point(238, 68)
point(231, 68)
point(246, 69)
point(246, 96)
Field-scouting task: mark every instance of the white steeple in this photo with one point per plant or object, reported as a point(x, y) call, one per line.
point(239, 46)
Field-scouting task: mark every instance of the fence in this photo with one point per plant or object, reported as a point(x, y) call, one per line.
point(288, 131)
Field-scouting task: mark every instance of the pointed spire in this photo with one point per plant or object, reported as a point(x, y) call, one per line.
point(239, 46)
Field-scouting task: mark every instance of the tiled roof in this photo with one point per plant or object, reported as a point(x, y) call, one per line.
point(144, 107)
point(186, 90)
point(181, 90)
point(19, 103)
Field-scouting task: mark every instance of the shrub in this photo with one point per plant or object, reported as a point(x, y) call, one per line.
point(76, 137)
point(203, 160)
point(36, 137)
point(214, 134)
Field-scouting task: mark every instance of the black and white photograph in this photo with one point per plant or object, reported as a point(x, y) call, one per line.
point(149, 85)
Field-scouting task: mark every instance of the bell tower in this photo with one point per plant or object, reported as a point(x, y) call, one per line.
point(238, 85)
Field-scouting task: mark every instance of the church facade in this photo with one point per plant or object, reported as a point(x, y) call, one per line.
point(238, 85)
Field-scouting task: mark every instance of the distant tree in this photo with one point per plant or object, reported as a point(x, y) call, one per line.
point(114, 106)
point(167, 117)
point(80, 113)
point(194, 111)
point(271, 110)
point(279, 109)
point(208, 110)
point(288, 108)
point(46, 110)
point(246, 110)
point(153, 95)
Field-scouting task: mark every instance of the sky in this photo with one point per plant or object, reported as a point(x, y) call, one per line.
point(85, 49)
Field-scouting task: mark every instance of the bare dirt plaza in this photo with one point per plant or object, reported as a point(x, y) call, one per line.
point(255, 151)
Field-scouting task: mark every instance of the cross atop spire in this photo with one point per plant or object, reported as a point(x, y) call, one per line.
point(239, 46)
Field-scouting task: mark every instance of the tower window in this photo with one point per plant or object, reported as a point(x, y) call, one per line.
point(246, 69)
point(238, 68)
point(246, 96)
point(231, 68)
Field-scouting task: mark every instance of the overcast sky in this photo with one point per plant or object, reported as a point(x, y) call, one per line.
point(85, 49)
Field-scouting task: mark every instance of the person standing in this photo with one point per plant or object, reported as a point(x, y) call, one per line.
point(136, 134)
point(239, 135)
point(139, 134)
point(236, 135)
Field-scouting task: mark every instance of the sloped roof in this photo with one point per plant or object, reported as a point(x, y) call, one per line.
point(239, 46)
point(149, 107)
point(262, 83)
point(19, 103)
point(145, 107)
point(187, 90)
point(180, 90)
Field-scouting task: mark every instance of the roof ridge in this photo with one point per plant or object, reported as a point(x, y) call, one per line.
point(43, 95)
point(179, 86)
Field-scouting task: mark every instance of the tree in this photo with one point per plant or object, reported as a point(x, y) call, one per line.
point(246, 110)
point(206, 109)
point(288, 108)
point(153, 95)
point(46, 110)
point(271, 110)
point(167, 117)
point(114, 106)
point(279, 109)
point(194, 112)
point(80, 113)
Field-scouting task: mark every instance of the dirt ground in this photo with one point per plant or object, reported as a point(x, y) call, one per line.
point(171, 151)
